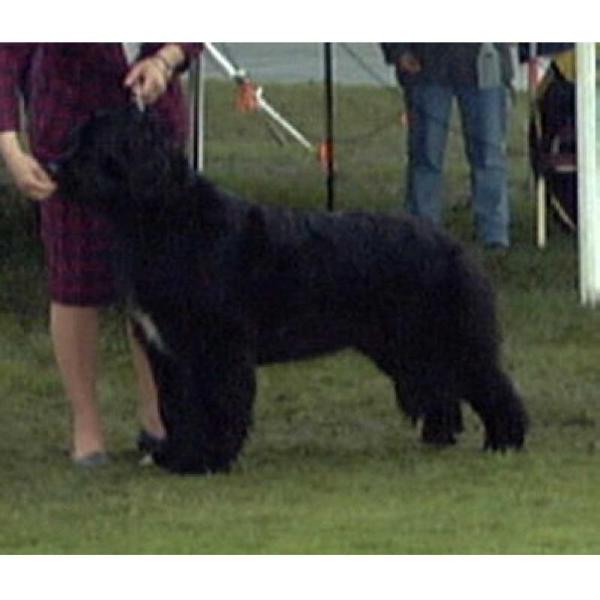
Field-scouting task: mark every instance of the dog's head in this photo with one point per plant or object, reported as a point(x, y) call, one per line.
point(120, 162)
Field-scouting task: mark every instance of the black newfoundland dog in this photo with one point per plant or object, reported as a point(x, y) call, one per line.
point(217, 285)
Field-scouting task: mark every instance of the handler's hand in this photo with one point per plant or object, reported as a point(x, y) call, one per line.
point(409, 63)
point(29, 176)
point(148, 79)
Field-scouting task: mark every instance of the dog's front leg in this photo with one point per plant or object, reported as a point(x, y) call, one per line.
point(207, 421)
point(168, 373)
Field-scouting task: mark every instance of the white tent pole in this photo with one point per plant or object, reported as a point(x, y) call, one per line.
point(587, 167)
point(233, 73)
point(281, 121)
point(196, 106)
point(239, 76)
point(538, 184)
point(200, 114)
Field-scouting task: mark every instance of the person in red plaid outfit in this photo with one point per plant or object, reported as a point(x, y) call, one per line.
point(62, 85)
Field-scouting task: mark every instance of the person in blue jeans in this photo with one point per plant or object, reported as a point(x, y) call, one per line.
point(478, 75)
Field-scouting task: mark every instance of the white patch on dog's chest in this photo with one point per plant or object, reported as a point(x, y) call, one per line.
point(151, 332)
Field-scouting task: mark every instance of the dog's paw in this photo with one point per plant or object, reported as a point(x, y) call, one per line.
point(506, 432)
point(181, 460)
point(441, 426)
point(437, 437)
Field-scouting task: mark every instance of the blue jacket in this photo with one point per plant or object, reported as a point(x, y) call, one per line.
point(445, 63)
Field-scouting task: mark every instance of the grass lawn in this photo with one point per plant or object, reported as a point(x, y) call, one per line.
point(331, 467)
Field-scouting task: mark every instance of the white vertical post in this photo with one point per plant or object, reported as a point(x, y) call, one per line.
point(196, 104)
point(587, 167)
point(536, 185)
point(200, 112)
point(541, 216)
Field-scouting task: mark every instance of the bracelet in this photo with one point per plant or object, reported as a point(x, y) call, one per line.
point(168, 67)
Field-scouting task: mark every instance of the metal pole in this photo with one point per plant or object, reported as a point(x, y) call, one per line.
point(279, 120)
point(196, 107)
point(200, 114)
point(538, 185)
point(329, 135)
point(587, 173)
point(240, 77)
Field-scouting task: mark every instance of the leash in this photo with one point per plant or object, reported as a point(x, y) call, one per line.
point(136, 98)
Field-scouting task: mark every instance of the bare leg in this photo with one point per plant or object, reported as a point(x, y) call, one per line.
point(148, 395)
point(74, 332)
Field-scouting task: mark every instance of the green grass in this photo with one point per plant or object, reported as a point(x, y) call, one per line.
point(331, 468)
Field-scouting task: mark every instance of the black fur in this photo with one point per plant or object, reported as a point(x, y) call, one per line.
point(230, 285)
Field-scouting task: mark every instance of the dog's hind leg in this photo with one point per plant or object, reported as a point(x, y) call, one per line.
point(442, 422)
point(494, 398)
point(437, 400)
point(422, 393)
point(208, 423)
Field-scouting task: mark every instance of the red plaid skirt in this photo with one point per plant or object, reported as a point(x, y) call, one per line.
point(78, 244)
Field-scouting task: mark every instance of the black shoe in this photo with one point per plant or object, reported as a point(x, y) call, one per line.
point(147, 442)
